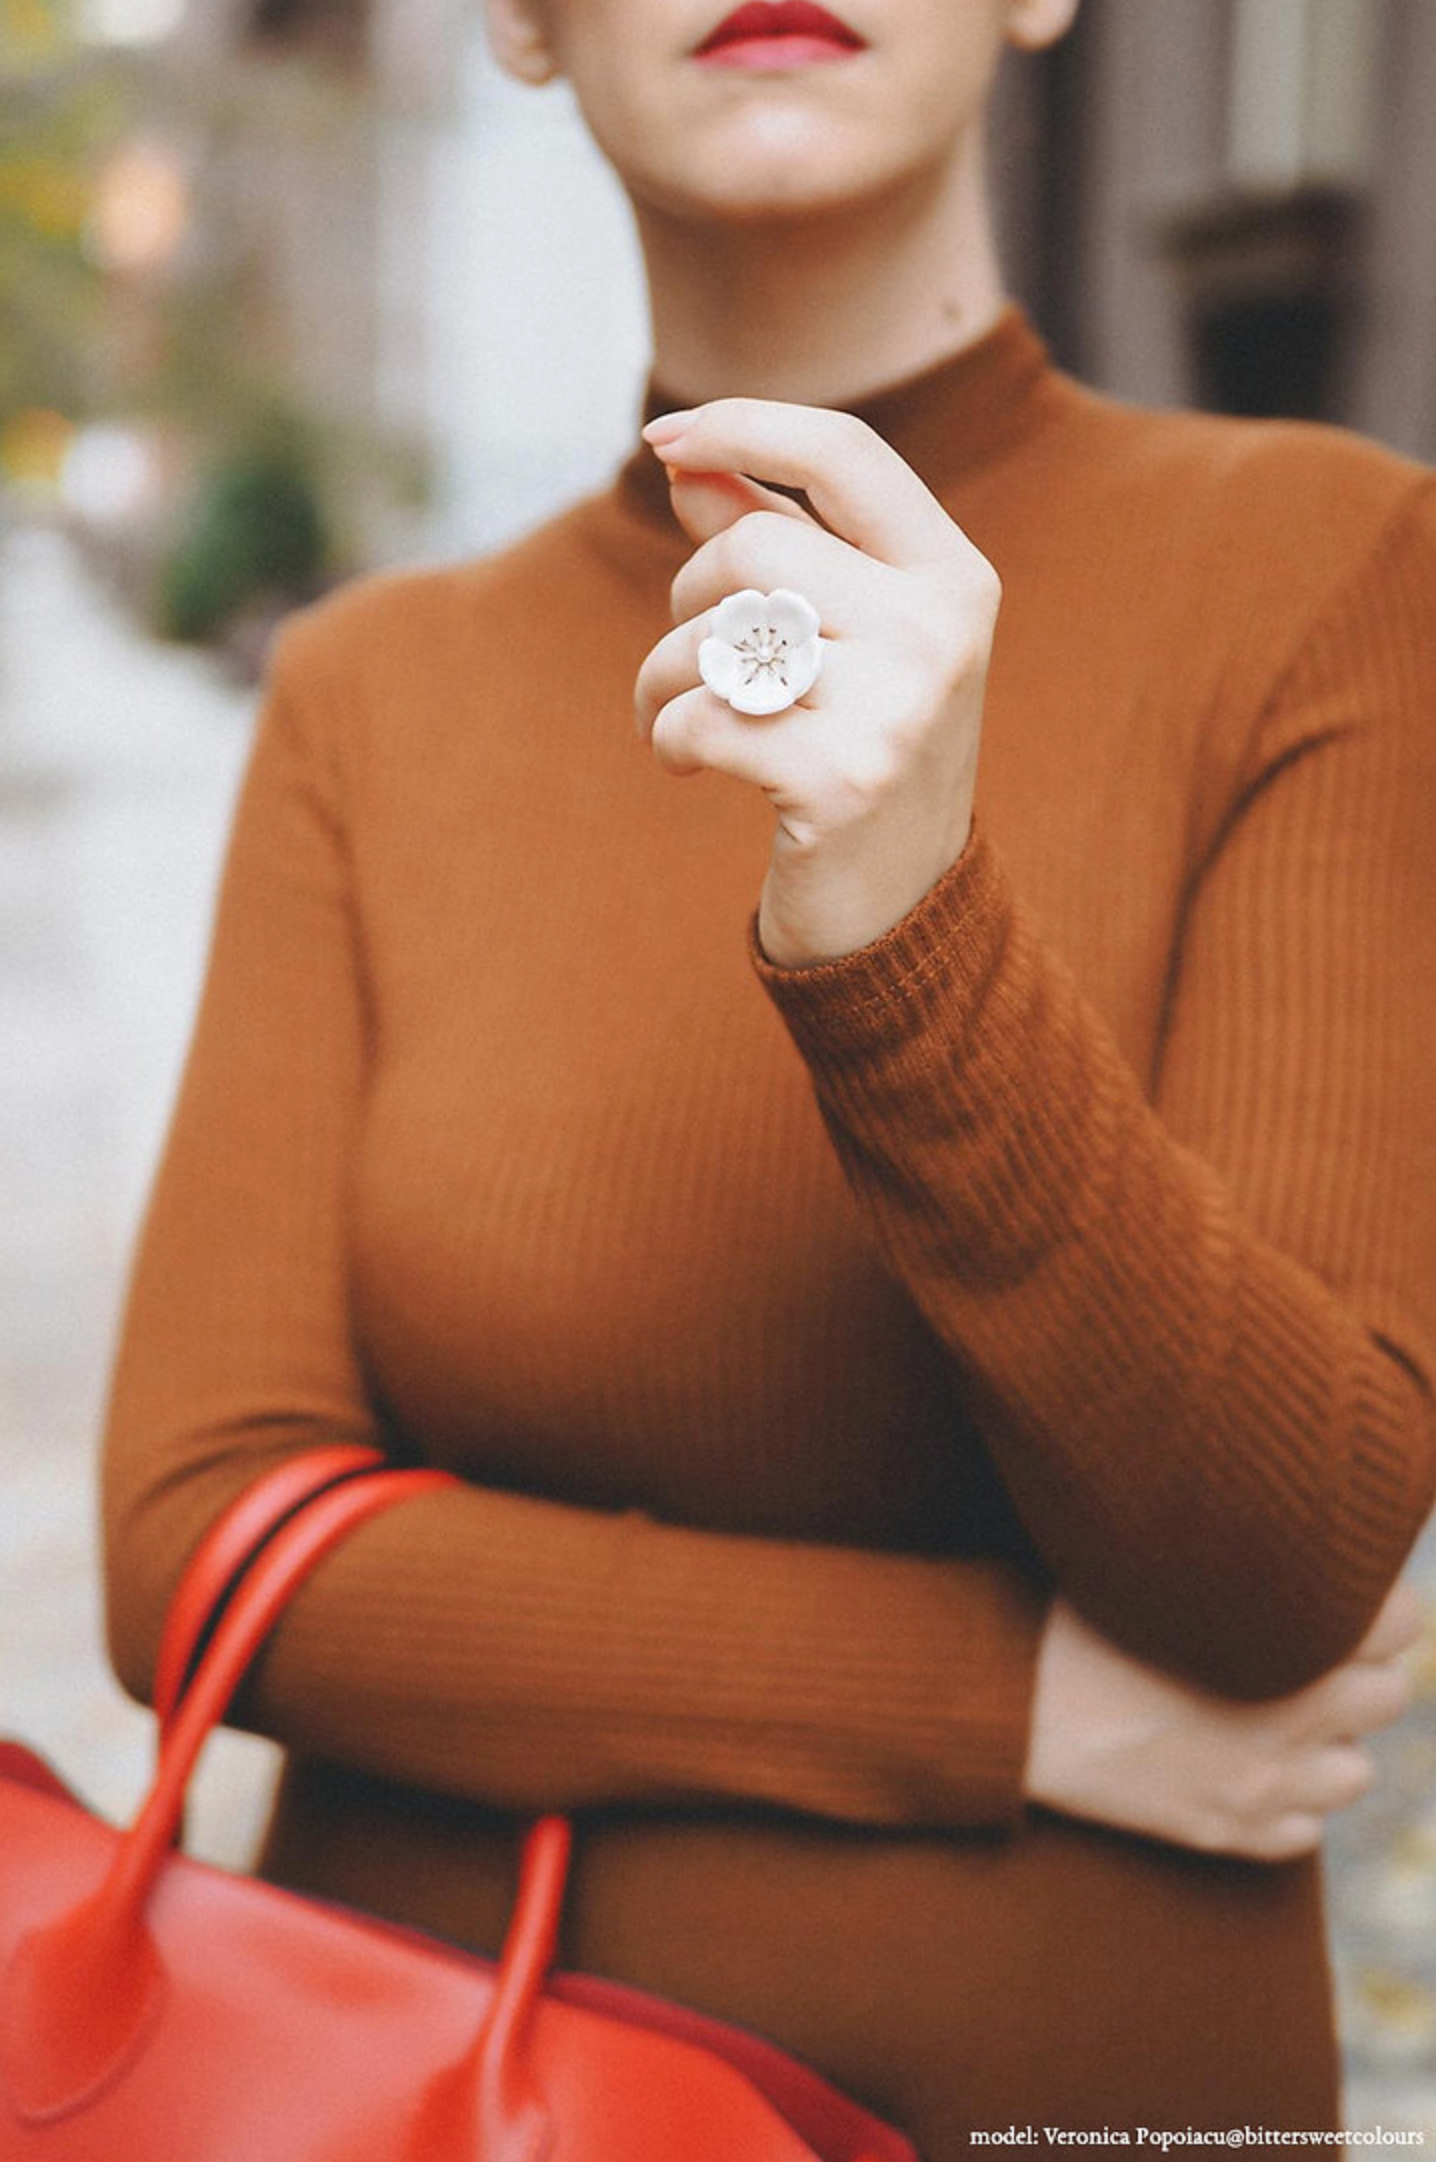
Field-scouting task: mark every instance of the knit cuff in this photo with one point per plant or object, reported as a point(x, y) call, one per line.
point(945, 953)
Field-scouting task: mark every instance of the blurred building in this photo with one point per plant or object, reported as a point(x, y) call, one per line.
point(416, 248)
point(1233, 204)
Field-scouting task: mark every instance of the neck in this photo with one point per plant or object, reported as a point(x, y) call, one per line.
point(833, 307)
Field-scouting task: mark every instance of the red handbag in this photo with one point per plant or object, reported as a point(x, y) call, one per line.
point(156, 2008)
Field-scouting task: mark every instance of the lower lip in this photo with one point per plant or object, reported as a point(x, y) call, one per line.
point(773, 56)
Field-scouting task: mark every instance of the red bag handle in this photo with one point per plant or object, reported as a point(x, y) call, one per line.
point(227, 1550)
point(230, 1546)
point(83, 1991)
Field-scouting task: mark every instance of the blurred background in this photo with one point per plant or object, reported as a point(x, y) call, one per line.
point(290, 289)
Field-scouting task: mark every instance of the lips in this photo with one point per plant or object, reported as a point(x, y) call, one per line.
point(780, 30)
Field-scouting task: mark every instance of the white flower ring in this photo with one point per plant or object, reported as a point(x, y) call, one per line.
point(764, 652)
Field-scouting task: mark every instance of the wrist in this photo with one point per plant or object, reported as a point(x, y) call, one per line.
point(828, 899)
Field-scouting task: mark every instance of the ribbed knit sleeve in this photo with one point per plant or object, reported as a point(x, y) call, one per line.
point(483, 1643)
point(1199, 1327)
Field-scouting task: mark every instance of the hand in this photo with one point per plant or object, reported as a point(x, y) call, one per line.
point(1123, 1744)
point(872, 773)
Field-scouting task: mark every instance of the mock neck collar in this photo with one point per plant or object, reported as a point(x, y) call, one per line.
point(945, 421)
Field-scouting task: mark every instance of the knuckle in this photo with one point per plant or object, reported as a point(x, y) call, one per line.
point(666, 735)
point(646, 684)
point(708, 567)
point(1358, 1777)
point(1270, 1841)
point(869, 768)
point(1296, 1833)
point(1324, 1704)
point(763, 528)
point(751, 547)
point(724, 555)
point(742, 532)
point(1400, 1623)
point(1378, 1696)
point(971, 653)
point(1249, 1797)
point(675, 736)
point(1397, 1695)
point(801, 835)
point(984, 586)
point(853, 435)
point(1210, 1832)
point(906, 738)
point(946, 634)
point(932, 640)
point(1330, 1779)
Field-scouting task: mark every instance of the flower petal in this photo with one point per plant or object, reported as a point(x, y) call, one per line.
point(793, 617)
point(735, 617)
point(764, 695)
point(803, 667)
point(719, 666)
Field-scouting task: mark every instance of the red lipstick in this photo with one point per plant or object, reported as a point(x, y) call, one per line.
point(778, 34)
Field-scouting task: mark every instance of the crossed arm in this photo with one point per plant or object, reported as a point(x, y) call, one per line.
point(544, 1656)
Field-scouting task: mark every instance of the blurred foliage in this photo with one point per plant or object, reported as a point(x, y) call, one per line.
point(62, 109)
point(255, 533)
point(32, 32)
point(146, 282)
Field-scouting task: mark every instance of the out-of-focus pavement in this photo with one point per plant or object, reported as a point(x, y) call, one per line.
point(118, 761)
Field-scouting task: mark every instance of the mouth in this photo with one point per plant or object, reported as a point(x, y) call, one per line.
point(774, 35)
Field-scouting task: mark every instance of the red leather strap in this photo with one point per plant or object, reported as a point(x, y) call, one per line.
point(83, 1992)
point(230, 1546)
point(511, 2113)
point(229, 1550)
point(256, 1605)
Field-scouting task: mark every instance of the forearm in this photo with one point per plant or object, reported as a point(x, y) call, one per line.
point(539, 1656)
point(1223, 1466)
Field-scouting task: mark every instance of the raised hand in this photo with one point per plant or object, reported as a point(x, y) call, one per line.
point(871, 773)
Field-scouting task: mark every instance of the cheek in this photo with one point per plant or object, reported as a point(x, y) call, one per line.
point(622, 100)
point(948, 72)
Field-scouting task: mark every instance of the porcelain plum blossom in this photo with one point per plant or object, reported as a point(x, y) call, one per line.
point(764, 652)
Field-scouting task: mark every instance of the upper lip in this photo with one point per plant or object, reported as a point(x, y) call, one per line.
point(779, 19)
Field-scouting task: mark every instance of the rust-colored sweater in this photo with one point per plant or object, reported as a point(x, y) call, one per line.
point(795, 1331)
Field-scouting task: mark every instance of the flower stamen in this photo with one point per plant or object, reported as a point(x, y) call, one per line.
point(764, 654)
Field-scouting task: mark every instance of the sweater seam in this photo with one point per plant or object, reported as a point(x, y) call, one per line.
point(1247, 770)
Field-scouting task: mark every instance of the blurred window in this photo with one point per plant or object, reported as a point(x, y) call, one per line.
point(334, 30)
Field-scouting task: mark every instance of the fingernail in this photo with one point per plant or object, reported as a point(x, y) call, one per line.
point(666, 429)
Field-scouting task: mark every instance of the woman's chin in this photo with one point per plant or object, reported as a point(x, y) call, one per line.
point(767, 173)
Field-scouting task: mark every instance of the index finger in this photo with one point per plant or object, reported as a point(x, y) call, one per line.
point(855, 481)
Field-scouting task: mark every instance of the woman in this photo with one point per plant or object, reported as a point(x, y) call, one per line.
point(963, 1409)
